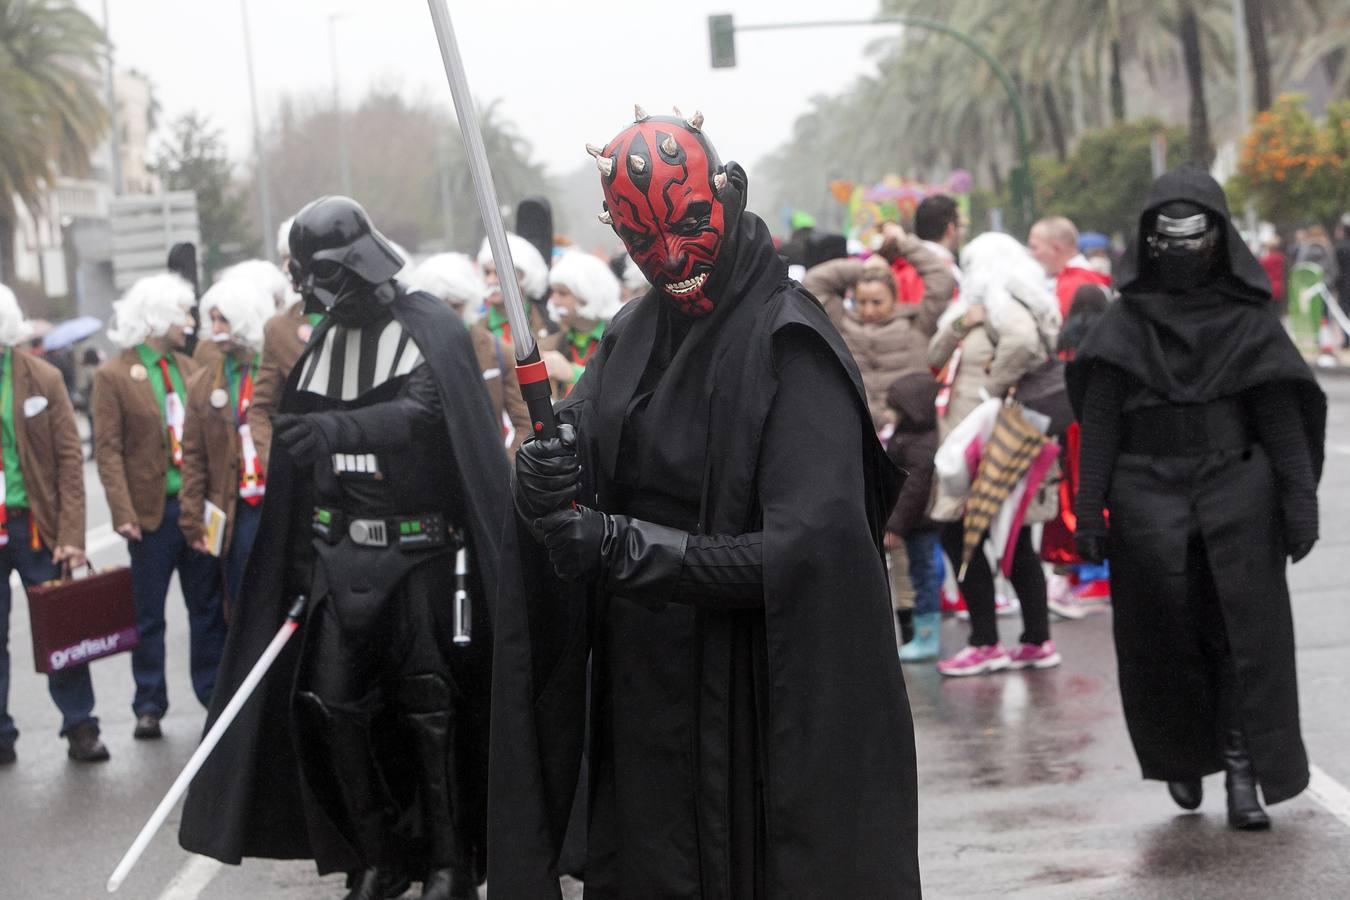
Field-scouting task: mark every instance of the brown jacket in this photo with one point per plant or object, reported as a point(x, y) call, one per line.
point(829, 281)
point(207, 353)
point(130, 443)
point(503, 388)
point(555, 341)
point(50, 453)
point(284, 339)
point(211, 456)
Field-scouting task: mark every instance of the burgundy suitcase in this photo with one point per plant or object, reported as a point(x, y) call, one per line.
point(78, 620)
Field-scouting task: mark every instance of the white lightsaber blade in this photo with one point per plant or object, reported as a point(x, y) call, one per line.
point(208, 744)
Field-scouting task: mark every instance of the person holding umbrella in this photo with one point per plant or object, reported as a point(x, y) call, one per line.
point(1001, 326)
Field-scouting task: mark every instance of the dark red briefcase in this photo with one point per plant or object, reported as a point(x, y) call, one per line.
point(78, 620)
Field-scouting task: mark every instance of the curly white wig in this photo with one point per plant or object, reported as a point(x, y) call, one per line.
point(152, 306)
point(590, 280)
point(244, 305)
point(529, 264)
point(266, 277)
point(14, 328)
point(452, 278)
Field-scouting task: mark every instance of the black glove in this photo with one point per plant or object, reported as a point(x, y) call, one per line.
point(1091, 546)
point(575, 538)
point(547, 474)
point(1299, 550)
point(307, 437)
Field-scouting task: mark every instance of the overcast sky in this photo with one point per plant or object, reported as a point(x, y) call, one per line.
point(567, 71)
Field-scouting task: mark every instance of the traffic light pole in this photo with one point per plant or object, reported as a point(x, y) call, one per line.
point(1023, 195)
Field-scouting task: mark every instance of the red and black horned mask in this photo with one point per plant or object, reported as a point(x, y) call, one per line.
point(668, 197)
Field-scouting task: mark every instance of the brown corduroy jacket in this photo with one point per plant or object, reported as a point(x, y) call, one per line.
point(284, 339)
point(211, 456)
point(130, 442)
point(498, 365)
point(50, 454)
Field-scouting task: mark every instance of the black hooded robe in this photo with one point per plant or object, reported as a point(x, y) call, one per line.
point(735, 753)
point(250, 799)
point(1218, 343)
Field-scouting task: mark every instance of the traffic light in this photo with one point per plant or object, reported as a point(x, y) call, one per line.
point(722, 41)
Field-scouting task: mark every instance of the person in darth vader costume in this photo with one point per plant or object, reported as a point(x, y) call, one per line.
point(750, 733)
point(367, 749)
point(1202, 434)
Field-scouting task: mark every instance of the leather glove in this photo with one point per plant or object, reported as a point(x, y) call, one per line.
point(1299, 550)
point(547, 474)
point(1091, 546)
point(575, 538)
point(306, 438)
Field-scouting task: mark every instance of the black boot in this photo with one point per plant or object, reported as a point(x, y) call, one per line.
point(906, 619)
point(1244, 808)
point(376, 884)
point(426, 701)
point(1187, 794)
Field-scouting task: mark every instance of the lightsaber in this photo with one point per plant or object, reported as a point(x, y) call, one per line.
point(463, 611)
point(208, 744)
point(530, 368)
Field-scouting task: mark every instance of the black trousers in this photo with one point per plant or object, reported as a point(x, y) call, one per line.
point(1028, 579)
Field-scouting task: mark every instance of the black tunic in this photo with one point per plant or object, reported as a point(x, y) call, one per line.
point(737, 752)
point(1201, 526)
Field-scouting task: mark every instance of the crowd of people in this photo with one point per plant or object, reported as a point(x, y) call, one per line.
point(1018, 393)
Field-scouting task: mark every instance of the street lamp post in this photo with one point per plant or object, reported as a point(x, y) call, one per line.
point(115, 136)
point(344, 158)
point(264, 191)
point(722, 32)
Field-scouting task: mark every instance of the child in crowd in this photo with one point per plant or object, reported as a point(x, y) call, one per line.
point(912, 446)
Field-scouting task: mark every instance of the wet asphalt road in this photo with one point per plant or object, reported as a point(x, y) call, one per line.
point(1028, 786)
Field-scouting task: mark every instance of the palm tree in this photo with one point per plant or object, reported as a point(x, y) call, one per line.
point(51, 117)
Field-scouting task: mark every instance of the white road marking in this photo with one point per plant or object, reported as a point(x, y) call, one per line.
point(192, 878)
point(1333, 796)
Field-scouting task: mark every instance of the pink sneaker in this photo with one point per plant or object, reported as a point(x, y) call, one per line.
point(975, 661)
point(1035, 656)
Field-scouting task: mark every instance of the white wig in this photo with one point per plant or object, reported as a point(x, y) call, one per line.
point(1000, 273)
point(284, 238)
point(244, 305)
point(452, 278)
point(14, 329)
point(589, 278)
point(531, 266)
point(152, 306)
point(265, 276)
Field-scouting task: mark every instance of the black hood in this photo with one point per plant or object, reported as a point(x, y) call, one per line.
point(1243, 278)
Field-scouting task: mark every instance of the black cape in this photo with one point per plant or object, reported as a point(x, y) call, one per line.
point(1216, 342)
point(250, 798)
point(840, 794)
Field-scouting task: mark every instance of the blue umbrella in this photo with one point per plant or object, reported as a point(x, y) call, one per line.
point(71, 331)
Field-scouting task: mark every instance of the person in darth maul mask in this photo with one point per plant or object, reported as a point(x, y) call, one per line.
point(368, 753)
point(1202, 434)
point(750, 734)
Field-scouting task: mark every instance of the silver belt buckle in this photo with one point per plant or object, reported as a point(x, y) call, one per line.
point(368, 532)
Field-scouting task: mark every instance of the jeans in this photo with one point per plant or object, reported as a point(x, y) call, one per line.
point(154, 558)
point(924, 573)
point(246, 519)
point(71, 689)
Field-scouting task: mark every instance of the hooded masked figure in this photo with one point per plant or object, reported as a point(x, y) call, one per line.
point(728, 589)
point(1202, 433)
point(386, 461)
